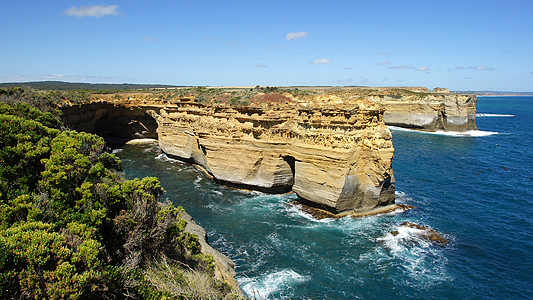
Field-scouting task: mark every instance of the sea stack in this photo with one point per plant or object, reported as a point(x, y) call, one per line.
point(334, 153)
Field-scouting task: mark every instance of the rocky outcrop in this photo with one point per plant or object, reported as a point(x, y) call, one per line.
point(441, 90)
point(423, 232)
point(451, 112)
point(418, 108)
point(334, 153)
point(224, 266)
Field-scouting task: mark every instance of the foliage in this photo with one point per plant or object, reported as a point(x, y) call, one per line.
point(73, 227)
point(24, 143)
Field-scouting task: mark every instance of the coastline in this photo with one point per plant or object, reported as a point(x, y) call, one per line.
point(224, 266)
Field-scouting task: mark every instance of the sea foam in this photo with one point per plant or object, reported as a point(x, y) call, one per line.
point(424, 262)
point(468, 133)
point(264, 286)
point(493, 115)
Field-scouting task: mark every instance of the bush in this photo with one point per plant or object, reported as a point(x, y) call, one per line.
point(72, 227)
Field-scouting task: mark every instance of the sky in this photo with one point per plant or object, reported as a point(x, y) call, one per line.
point(460, 45)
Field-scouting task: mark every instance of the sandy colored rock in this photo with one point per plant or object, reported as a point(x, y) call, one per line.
point(331, 148)
point(332, 151)
point(418, 108)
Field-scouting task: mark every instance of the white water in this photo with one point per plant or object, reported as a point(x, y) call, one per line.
point(264, 286)
point(469, 133)
point(421, 260)
point(493, 115)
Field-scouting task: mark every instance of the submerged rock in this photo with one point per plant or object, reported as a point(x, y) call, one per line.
point(316, 213)
point(426, 233)
point(321, 213)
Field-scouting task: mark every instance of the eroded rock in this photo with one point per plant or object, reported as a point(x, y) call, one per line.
point(336, 153)
point(426, 233)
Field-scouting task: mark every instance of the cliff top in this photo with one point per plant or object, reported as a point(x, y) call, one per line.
point(261, 96)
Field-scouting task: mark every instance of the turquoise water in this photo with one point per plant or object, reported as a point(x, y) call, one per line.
point(476, 191)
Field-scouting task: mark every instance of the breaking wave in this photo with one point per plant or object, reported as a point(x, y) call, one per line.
point(493, 115)
point(268, 286)
point(469, 133)
point(423, 262)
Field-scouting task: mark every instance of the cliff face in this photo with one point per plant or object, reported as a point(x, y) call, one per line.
point(419, 108)
point(334, 152)
point(330, 147)
point(338, 157)
point(117, 123)
point(453, 112)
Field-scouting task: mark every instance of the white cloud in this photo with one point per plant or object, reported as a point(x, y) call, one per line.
point(401, 67)
point(149, 39)
point(476, 68)
point(481, 68)
point(322, 61)
point(234, 43)
point(54, 76)
point(97, 11)
point(423, 69)
point(384, 53)
point(348, 68)
point(261, 66)
point(383, 63)
point(295, 35)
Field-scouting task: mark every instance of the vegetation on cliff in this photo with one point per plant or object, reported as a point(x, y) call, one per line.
point(71, 226)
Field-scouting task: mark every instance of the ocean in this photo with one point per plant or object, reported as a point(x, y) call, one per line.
point(475, 189)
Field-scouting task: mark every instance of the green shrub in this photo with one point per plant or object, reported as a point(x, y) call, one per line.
point(72, 227)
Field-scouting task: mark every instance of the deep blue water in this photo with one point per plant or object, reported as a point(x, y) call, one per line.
point(476, 191)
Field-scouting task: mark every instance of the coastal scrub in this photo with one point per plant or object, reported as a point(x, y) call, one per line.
point(71, 226)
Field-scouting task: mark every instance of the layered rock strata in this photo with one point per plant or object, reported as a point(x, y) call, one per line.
point(418, 108)
point(451, 112)
point(336, 156)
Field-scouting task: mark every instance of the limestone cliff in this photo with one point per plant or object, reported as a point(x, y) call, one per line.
point(331, 146)
point(334, 151)
point(420, 109)
point(338, 157)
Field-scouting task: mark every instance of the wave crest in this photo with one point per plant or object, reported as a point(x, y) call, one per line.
point(493, 115)
point(263, 286)
point(469, 133)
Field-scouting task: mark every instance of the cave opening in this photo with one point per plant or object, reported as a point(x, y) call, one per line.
point(291, 161)
point(117, 125)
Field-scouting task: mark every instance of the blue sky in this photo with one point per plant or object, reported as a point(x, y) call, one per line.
point(461, 45)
